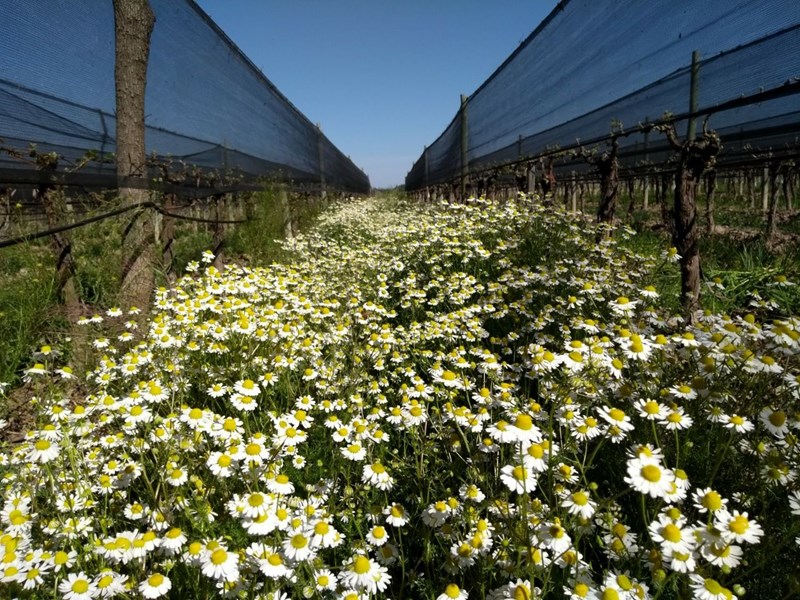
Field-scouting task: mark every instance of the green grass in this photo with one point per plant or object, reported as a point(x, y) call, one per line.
point(27, 305)
point(30, 312)
point(740, 259)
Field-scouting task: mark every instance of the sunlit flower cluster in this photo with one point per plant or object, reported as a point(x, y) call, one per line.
point(442, 401)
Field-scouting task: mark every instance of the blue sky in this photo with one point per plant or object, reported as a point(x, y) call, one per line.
point(382, 77)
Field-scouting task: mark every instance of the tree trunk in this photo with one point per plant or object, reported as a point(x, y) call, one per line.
point(608, 168)
point(55, 210)
point(695, 157)
point(133, 24)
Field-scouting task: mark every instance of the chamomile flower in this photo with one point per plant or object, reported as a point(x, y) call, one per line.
point(221, 564)
point(453, 592)
point(647, 476)
point(738, 527)
point(738, 423)
point(580, 504)
point(395, 515)
point(709, 589)
point(377, 536)
point(362, 573)
point(298, 545)
point(325, 580)
point(77, 586)
point(775, 420)
point(43, 451)
point(376, 475)
point(518, 479)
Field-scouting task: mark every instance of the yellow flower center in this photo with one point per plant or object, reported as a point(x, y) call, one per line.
point(778, 418)
point(712, 501)
point(671, 532)
point(523, 422)
point(581, 590)
point(739, 524)
point(321, 528)
point(452, 591)
point(616, 414)
point(299, 541)
point(580, 498)
point(219, 556)
point(155, 580)
point(536, 451)
point(361, 565)
point(80, 586)
point(252, 449)
point(522, 592)
point(651, 473)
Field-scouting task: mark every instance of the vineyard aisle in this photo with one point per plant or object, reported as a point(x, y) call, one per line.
point(424, 400)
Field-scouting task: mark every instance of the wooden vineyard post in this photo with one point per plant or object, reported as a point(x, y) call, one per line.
point(464, 143)
point(711, 187)
point(168, 240)
point(630, 184)
point(786, 184)
point(166, 224)
point(218, 239)
point(532, 178)
point(133, 24)
point(773, 168)
point(286, 211)
point(691, 127)
point(660, 182)
point(573, 193)
point(321, 153)
point(646, 186)
point(425, 164)
point(765, 179)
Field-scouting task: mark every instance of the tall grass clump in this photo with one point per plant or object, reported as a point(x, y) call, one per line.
point(27, 297)
point(441, 401)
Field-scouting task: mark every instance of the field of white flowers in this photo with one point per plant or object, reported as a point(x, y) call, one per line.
point(439, 402)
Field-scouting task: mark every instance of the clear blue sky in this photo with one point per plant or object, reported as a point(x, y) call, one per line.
point(382, 77)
